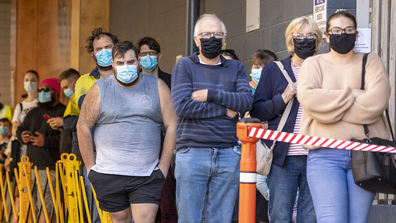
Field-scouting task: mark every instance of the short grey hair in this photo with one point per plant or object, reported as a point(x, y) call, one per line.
point(205, 16)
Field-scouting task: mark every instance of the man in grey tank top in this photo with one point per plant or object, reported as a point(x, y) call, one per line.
point(128, 110)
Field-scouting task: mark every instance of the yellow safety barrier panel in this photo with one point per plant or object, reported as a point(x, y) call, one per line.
point(68, 195)
point(3, 196)
point(26, 206)
point(11, 192)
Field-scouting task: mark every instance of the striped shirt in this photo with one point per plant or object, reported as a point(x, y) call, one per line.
point(206, 124)
point(297, 149)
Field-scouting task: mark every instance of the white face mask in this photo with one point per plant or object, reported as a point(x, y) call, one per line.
point(127, 73)
point(256, 74)
point(30, 86)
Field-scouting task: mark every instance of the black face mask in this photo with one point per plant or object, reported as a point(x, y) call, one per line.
point(343, 43)
point(211, 47)
point(304, 48)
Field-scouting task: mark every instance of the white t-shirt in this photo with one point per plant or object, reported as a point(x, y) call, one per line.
point(27, 106)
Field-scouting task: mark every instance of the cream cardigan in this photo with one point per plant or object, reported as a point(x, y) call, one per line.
point(333, 104)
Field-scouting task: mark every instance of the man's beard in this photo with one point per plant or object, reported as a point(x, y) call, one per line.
point(48, 104)
point(103, 68)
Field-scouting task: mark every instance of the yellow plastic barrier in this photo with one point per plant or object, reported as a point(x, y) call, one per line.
point(68, 207)
point(53, 195)
point(58, 203)
point(85, 199)
point(26, 206)
point(3, 194)
point(41, 195)
point(72, 189)
point(11, 192)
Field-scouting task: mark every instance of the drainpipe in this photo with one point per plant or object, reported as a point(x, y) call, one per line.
point(192, 17)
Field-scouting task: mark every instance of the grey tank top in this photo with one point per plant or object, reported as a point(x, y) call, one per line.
point(128, 130)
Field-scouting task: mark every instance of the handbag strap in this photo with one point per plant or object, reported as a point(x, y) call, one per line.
point(286, 113)
point(366, 130)
point(389, 123)
point(365, 127)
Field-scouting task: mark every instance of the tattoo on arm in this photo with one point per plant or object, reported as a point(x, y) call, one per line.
point(90, 108)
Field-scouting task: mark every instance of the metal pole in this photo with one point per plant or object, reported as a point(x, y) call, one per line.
point(192, 17)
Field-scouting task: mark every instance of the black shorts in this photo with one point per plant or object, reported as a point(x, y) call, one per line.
point(116, 192)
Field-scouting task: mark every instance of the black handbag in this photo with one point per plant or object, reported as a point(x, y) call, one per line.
point(374, 171)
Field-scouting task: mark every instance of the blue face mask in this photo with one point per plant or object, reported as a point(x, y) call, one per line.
point(30, 87)
point(68, 92)
point(256, 74)
point(149, 62)
point(44, 97)
point(4, 130)
point(127, 73)
point(104, 57)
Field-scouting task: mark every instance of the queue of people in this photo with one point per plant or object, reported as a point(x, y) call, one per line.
point(163, 148)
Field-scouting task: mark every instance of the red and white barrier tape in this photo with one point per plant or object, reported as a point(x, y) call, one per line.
point(316, 141)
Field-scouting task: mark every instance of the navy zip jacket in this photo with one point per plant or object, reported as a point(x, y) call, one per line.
point(206, 124)
point(268, 105)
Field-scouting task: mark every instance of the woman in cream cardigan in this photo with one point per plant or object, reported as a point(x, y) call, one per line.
point(334, 107)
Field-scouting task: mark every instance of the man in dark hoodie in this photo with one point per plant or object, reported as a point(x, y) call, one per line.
point(43, 141)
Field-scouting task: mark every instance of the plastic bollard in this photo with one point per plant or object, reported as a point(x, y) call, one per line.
point(247, 180)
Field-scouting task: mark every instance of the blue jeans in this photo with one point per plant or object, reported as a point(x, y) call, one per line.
point(87, 184)
point(283, 182)
point(336, 196)
point(212, 172)
point(262, 185)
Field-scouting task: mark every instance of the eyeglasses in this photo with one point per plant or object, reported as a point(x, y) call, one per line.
point(45, 89)
point(301, 37)
point(339, 31)
point(207, 35)
point(151, 53)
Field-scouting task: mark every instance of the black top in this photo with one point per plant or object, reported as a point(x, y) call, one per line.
point(167, 78)
point(48, 155)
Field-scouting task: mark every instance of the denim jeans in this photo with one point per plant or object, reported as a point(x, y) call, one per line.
point(262, 185)
point(335, 195)
point(87, 184)
point(210, 172)
point(283, 182)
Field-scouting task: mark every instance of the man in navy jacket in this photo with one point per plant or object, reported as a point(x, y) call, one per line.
point(207, 93)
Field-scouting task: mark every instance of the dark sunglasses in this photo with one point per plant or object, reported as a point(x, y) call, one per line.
point(45, 89)
point(230, 52)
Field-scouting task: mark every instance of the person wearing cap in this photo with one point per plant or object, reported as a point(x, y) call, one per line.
point(43, 141)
